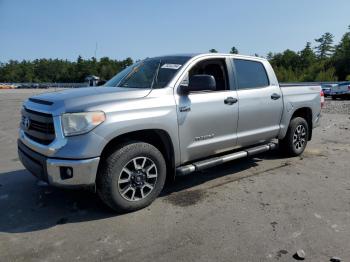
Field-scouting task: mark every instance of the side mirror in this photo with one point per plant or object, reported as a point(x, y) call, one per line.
point(199, 83)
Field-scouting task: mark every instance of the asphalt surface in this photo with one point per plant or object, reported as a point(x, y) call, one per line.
point(259, 209)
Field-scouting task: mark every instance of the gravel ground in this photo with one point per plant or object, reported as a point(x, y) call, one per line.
point(259, 209)
point(336, 107)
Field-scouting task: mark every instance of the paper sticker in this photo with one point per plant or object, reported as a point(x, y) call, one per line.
point(171, 66)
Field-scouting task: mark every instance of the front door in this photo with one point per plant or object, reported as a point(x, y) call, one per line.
point(208, 120)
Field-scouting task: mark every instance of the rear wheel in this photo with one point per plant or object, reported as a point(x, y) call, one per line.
point(295, 141)
point(131, 177)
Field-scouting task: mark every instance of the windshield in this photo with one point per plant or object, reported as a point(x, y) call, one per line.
point(149, 73)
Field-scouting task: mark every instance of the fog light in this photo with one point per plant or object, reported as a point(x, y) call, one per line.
point(66, 172)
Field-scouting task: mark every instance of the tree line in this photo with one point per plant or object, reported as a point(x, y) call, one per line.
point(60, 71)
point(323, 61)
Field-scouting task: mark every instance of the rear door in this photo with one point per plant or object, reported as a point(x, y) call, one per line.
point(260, 102)
point(208, 120)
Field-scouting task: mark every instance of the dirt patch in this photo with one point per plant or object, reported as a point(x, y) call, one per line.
point(274, 224)
point(331, 141)
point(280, 253)
point(192, 197)
point(186, 198)
point(247, 175)
point(310, 152)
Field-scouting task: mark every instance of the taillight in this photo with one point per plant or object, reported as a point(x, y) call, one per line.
point(322, 99)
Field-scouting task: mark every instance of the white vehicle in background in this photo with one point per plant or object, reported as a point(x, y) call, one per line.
point(342, 90)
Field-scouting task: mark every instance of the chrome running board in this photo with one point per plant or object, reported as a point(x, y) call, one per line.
point(207, 163)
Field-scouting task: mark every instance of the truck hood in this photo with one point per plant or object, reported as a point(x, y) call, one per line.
point(80, 99)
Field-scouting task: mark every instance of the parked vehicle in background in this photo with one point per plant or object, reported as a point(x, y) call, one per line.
point(163, 116)
point(327, 89)
point(7, 86)
point(342, 90)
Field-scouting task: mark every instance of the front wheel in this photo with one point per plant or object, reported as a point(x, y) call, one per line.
point(131, 177)
point(294, 143)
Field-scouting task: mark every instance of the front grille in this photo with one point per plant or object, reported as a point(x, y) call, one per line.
point(38, 126)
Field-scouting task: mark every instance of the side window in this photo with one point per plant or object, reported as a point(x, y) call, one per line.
point(214, 67)
point(250, 74)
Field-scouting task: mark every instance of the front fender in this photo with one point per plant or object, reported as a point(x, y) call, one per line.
point(154, 112)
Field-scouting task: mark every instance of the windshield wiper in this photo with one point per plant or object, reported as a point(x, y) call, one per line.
point(155, 77)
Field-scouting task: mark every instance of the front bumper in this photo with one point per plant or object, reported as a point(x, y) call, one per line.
point(53, 170)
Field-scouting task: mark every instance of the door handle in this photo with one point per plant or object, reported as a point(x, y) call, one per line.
point(230, 100)
point(275, 96)
point(185, 108)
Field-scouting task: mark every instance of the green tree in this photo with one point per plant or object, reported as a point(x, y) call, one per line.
point(341, 58)
point(270, 56)
point(303, 66)
point(307, 56)
point(234, 50)
point(325, 45)
point(326, 75)
point(286, 59)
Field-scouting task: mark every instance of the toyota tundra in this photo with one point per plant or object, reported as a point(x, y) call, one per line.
point(163, 117)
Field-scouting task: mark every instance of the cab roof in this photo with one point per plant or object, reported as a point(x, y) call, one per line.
point(192, 55)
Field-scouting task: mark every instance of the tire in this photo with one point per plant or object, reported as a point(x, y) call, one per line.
point(295, 141)
point(125, 186)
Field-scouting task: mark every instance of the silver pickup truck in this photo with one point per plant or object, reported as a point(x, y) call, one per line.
point(161, 117)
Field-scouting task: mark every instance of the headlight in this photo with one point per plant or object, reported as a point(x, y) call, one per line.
point(81, 123)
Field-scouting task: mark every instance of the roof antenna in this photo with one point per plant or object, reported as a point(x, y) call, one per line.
point(95, 50)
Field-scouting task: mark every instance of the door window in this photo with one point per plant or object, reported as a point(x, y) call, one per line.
point(215, 67)
point(250, 74)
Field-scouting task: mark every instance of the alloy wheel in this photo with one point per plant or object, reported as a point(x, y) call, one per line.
point(299, 137)
point(137, 178)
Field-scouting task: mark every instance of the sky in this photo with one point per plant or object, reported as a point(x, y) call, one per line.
point(65, 29)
